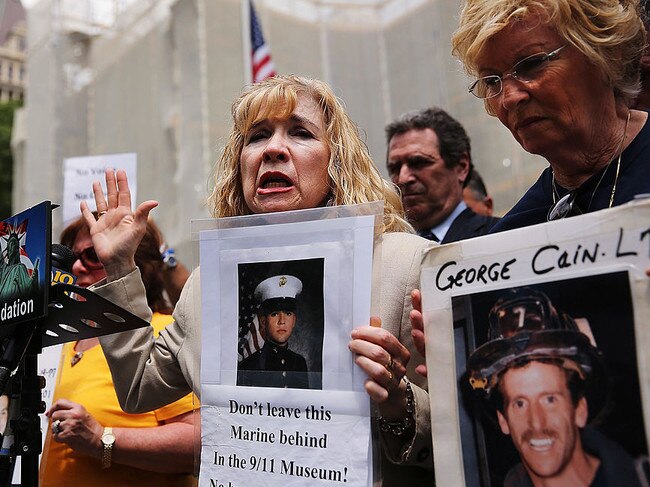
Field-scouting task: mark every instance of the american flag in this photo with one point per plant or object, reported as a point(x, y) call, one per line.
point(261, 62)
point(250, 340)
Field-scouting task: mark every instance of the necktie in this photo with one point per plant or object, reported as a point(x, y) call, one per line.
point(429, 235)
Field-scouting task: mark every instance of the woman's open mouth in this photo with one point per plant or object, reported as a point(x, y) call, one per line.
point(274, 182)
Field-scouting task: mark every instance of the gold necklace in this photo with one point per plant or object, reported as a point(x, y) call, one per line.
point(618, 168)
point(556, 195)
point(618, 164)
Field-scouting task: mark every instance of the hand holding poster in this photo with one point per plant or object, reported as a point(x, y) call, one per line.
point(282, 400)
point(543, 346)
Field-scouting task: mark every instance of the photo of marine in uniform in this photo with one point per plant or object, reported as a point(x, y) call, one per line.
point(271, 355)
point(548, 387)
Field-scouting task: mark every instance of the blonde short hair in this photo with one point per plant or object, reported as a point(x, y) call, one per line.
point(354, 177)
point(610, 33)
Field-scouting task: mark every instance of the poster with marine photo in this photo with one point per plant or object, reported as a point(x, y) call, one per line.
point(281, 324)
point(540, 349)
point(282, 400)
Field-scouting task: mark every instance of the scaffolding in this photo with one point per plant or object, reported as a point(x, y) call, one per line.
point(158, 77)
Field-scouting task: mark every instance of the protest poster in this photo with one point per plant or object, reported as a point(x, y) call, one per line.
point(537, 339)
point(282, 402)
point(79, 174)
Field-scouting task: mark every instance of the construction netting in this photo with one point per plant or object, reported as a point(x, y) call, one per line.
point(158, 77)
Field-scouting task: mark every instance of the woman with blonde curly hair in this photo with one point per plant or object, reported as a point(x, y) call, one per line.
point(292, 146)
point(561, 75)
point(353, 176)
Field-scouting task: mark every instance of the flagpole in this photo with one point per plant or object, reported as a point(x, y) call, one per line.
point(246, 41)
point(203, 84)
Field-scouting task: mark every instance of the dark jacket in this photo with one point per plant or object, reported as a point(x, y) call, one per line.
point(468, 225)
point(273, 366)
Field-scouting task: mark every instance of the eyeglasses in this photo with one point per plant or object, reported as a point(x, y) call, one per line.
point(526, 70)
point(89, 259)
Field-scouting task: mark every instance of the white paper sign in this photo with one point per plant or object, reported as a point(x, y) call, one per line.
point(253, 436)
point(48, 366)
point(79, 174)
point(295, 425)
point(584, 276)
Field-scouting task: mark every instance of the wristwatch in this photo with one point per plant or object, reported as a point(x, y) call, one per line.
point(108, 439)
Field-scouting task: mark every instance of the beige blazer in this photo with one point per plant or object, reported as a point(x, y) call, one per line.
point(150, 372)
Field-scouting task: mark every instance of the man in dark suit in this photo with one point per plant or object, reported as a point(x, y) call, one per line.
point(429, 158)
point(275, 365)
point(476, 196)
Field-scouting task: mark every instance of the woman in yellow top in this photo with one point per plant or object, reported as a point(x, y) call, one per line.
point(149, 449)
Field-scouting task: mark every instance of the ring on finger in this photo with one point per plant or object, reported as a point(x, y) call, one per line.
point(100, 214)
point(390, 363)
point(56, 427)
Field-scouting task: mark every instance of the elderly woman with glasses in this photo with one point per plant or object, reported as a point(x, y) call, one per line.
point(561, 75)
point(292, 146)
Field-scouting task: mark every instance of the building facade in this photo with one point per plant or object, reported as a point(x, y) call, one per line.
point(157, 77)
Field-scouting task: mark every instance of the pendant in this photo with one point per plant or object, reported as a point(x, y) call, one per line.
point(76, 358)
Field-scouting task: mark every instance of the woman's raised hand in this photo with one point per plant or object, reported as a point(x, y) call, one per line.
point(117, 231)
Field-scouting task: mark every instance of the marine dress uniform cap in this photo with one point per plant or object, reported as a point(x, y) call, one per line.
point(278, 293)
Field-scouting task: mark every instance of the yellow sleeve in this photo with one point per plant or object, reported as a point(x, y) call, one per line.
point(184, 404)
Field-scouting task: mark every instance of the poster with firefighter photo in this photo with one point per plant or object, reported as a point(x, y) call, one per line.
point(542, 346)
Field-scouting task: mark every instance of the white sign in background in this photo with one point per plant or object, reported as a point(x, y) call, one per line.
point(79, 174)
point(280, 437)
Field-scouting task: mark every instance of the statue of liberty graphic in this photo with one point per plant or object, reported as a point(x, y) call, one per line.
point(18, 275)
